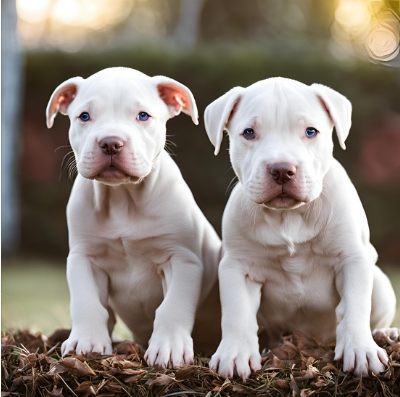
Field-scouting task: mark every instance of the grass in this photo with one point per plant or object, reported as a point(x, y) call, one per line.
point(35, 296)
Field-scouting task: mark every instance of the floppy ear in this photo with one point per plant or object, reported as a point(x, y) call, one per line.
point(61, 98)
point(338, 108)
point(177, 97)
point(218, 114)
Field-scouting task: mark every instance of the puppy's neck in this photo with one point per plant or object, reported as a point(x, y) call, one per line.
point(295, 226)
point(128, 194)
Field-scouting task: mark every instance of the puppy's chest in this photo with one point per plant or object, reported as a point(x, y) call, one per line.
point(306, 274)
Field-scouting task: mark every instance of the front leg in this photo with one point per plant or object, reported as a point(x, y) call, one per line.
point(171, 344)
point(238, 352)
point(354, 342)
point(88, 288)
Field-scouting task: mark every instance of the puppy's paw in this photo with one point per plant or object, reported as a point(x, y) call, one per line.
point(86, 344)
point(239, 356)
point(362, 358)
point(169, 351)
point(390, 334)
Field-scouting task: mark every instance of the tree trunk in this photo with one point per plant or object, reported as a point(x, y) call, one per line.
point(187, 29)
point(11, 85)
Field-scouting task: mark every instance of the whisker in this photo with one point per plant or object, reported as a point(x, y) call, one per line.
point(168, 148)
point(230, 168)
point(69, 164)
point(231, 185)
point(62, 146)
point(62, 163)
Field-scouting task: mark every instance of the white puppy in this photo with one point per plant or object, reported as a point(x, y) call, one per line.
point(296, 250)
point(139, 244)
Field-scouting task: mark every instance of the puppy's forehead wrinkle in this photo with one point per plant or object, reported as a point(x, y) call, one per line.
point(269, 104)
point(124, 90)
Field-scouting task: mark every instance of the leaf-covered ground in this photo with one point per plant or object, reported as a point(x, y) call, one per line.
point(32, 366)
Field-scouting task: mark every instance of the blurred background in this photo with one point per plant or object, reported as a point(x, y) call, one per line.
point(210, 46)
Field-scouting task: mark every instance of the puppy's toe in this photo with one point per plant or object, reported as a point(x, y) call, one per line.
point(349, 361)
point(225, 368)
point(255, 362)
point(188, 356)
point(375, 363)
point(177, 357)
point(151, 356)
point(163, 359)
point(101, 346)
point(242, 368)
point(214, 363)
point(386, 334)
point(68, 347)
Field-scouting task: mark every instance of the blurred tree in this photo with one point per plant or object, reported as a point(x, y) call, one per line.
point(187, 28)
point(11, 76)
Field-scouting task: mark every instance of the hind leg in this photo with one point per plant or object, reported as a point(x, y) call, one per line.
point(383, 308)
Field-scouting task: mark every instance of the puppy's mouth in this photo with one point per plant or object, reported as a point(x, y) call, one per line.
point(113, 174)
point(284, 200)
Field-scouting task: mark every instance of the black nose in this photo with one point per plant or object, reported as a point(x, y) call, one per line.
point(282, 172)
point(111, 145)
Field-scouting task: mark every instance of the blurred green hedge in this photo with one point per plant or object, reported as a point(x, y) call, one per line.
point(208, 72)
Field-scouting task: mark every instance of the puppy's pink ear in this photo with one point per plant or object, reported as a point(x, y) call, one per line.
point(218, 114)
point(338, 108)
point(61, 98)
point(177, 97)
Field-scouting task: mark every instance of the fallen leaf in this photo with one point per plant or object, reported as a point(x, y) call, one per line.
point(161, 380)
point(56, 392)
point(73, 366)
point(238, 388)
point(307, 392)
point(85, 389)
point(293, 386)
point(281, 384)
point(127, 348)
point(184, 373)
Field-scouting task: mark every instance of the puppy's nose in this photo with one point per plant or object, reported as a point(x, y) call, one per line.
point(282, 172)
point(111, 145)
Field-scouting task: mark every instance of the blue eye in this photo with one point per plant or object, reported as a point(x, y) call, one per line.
point(143, 116)
point(311, 132)
point(85, 116)
point(249, 133)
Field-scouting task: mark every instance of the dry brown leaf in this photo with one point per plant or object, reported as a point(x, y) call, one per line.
point(358, 389)
point(287, 350)
point(56, 392)
point(127, 348)
point(306, 392)
point(136, 377)
point(130, 364)
point(73, 366)
point(294, 387)
point(329, 367)
point(238, 388)
point(321, 382)
point(272, 362)
point(281, 384)
point(184, 373)
point(310, 373)
point(161, 380)
point(85, 389)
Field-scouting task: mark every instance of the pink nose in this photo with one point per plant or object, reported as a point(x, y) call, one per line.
point(282, 173)
point(111, 145)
